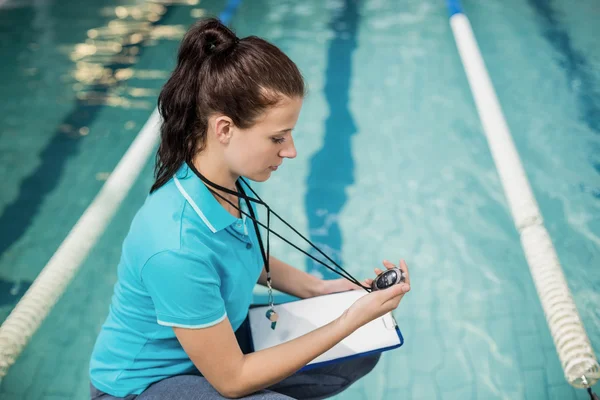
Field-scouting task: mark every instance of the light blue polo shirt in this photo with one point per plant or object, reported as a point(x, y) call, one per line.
point(186, 262)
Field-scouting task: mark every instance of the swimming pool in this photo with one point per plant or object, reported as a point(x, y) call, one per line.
point(391, 163)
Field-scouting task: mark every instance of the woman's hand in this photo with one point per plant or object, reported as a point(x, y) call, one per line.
point(379, 302)
point(329, 286)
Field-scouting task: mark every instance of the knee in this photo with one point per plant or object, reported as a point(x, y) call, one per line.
point(358, 368)
point(368, 363)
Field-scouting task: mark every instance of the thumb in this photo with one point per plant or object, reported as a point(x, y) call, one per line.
point(391, 292)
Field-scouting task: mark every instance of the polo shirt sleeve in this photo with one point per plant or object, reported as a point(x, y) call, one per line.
point(185, 290)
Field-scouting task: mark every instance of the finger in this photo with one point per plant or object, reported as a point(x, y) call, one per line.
point(378, 271)
point(388, 264)
point(404, 268)
point(396, 292)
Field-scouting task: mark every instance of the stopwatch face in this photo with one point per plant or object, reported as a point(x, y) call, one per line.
point(387, 279)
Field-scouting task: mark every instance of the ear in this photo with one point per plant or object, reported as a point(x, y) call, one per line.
point(223, 128)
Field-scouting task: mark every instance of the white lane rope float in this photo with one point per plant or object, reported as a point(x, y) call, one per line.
point(573, 346)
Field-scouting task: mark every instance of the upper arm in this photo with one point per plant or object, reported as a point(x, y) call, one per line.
point(185, 290)
point(216, 353)
point(186, 294)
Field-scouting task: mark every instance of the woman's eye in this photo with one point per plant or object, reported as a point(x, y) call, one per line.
point(278, 140)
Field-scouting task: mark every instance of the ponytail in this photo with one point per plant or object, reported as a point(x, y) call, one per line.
point(217, 73)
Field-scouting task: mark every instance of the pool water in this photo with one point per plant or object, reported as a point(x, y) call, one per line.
point(392, 163)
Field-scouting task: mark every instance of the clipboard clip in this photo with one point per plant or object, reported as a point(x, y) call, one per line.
point(389, 321)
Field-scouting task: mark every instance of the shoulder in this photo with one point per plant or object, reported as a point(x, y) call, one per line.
point(157, 225)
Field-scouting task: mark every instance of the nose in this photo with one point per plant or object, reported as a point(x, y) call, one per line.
point(288, 151)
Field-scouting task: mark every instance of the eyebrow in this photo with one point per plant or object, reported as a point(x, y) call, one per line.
point(282, 131)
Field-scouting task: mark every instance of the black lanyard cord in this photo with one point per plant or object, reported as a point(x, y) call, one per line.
point(349, 277)
point(268, 229)
point(241, 194)
point(264, 255)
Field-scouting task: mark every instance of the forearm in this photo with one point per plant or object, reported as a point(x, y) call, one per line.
point(266, 367)
point(290, 280)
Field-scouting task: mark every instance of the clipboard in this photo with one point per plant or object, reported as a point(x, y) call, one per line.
point(300, 317)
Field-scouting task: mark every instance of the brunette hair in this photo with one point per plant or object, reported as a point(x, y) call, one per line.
point(217, 72)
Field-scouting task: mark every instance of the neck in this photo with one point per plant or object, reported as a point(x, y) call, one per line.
point(215, 171)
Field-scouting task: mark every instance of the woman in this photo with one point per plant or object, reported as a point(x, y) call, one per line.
point(190, 260)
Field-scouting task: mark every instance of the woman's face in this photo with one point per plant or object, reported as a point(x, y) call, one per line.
point(257, 151)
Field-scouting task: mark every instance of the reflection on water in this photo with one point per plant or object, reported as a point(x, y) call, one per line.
point(104, 62)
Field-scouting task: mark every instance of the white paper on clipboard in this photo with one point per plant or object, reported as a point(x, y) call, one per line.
point(300, 317)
